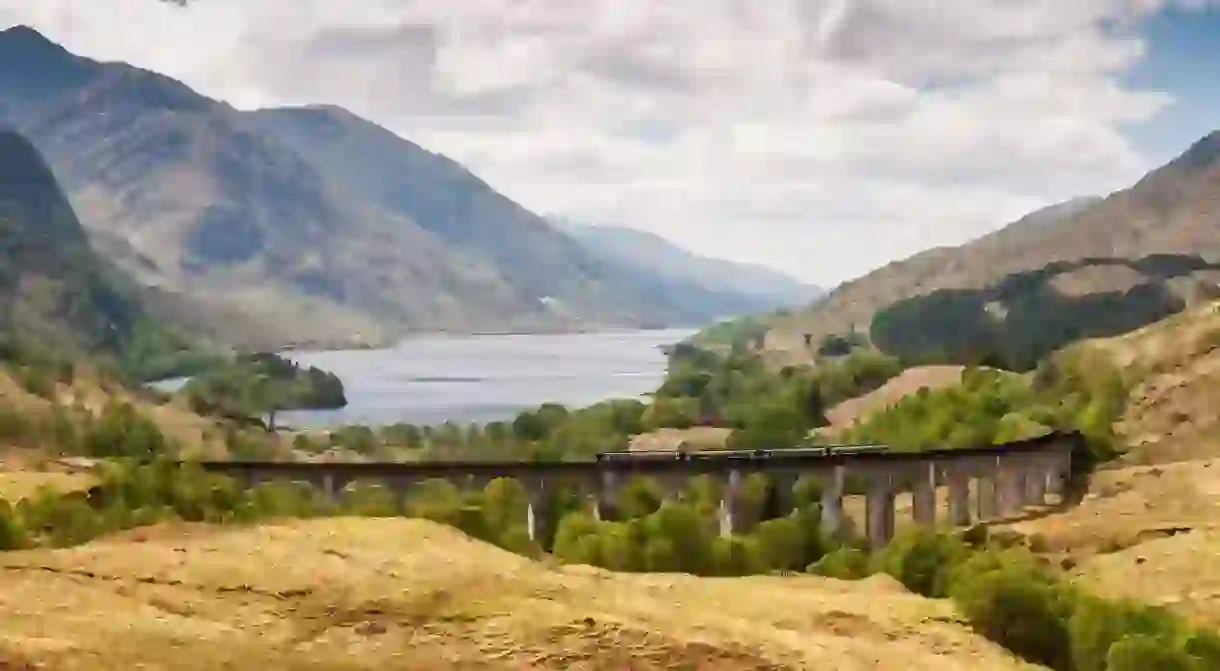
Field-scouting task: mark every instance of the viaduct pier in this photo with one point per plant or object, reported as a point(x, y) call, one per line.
point(1001, 480)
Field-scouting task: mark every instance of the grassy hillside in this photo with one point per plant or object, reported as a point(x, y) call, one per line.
point(1169, 216)
point(350, 594)
point(58, 299)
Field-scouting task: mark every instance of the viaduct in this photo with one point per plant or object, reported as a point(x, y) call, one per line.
point(1004, 479)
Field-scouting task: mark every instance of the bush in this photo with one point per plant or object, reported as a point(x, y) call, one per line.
point(737, 556)
point(923, 561)
point(845, 563)
point(1097, 625)
point(1011, 601)
point(781, 543)
point(1145, 653)
point(12, 533)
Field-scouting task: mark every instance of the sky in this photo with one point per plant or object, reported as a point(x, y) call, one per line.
point(823, 138)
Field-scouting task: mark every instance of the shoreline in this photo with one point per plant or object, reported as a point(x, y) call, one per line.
point(358, 344)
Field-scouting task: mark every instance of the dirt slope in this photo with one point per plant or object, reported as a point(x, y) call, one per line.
point(1150, 526)
point(409, 594)
point(909, 381)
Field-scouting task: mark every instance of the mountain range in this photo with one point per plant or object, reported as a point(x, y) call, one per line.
point(651, 253)
point(310, 224)
point(1088, 267)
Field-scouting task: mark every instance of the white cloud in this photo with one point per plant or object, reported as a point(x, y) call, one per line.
point(820, 137)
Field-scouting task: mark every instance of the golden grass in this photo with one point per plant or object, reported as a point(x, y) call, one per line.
point(195, 434)
point(17, 485)
point(410, 594)
point(1181, 572)
point(844, 415)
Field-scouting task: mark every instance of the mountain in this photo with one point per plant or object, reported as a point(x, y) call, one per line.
point(1150, 247)
point(56, 295)
point(648, 253)
point(309, 223)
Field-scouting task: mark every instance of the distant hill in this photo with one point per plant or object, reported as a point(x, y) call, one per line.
point(1149, 249)
point(315, 224)
point(57, 297)
point(646, 252)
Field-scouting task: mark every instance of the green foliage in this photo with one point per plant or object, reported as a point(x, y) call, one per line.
point(263, 384)
point(156, 352)
point(923, 561)
point(1071, 391)
point(1017, 604)
point(766, 408)
point(12, 532)
point(1022, 319)
point(844, 563)
point(122, 431)
point(743, 332)
point(1142, 653)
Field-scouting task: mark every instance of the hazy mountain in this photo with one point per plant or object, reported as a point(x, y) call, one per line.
point(756, 285)
point(1094, 246)
point(315, 223)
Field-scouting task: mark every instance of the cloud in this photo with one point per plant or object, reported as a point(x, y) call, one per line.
point(823, 137)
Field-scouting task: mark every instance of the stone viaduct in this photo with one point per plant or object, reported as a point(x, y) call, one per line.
point(1004, 479)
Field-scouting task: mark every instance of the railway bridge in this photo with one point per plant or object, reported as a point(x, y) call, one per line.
point(999, 480)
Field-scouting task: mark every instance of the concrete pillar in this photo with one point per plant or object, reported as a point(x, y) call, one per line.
point(1055, 476)
point(329, 488)
point(832, 501)
point(728, 502)
point(535, 512)
point(986, 494)
point(959, 499)
point(1035, 486)
point(606, 496)
point(879, 509)
point(1011, 489)
point(923, 495)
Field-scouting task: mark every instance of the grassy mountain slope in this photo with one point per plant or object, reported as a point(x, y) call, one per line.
point(345, 593)
point(316, 224)
point(57, 297)
point(757, 286)
point(1171, 211)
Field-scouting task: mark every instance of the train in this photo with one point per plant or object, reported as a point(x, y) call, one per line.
point(691, 455)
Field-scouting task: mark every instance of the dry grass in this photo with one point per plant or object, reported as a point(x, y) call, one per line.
point(1130, 505)
point(17, 485)
point(197, 435)
point(699, 438)
point(1181, 572)
point(909, 381)
point(1176, 365)
point(409, 594)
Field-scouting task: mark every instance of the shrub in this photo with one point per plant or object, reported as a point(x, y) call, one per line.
point(782, 543)
point(736, 556)
point(12, 533)
point(576, 539)
point(845, 563)
point(1096, 625)
point(923, 561)
point(1011, 601)
point(1145, 653)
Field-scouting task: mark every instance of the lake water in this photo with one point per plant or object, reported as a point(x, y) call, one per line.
point(431, 379)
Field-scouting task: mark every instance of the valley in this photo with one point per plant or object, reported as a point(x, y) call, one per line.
point(148, 231)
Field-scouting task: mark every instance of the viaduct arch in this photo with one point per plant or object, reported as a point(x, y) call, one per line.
point(1004, 478)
